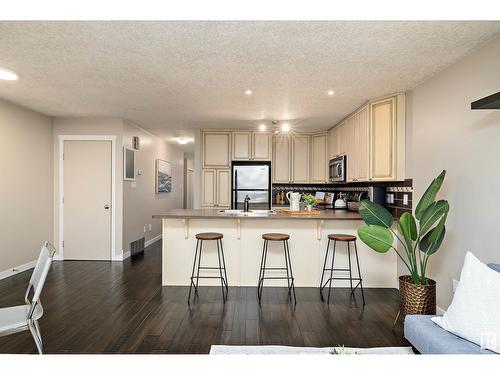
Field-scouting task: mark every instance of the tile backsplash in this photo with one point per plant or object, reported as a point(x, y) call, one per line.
point(399, 195)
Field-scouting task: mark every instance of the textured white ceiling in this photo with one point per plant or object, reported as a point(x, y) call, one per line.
point(171, 76)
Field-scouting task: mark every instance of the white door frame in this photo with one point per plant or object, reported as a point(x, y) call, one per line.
point(111, 138)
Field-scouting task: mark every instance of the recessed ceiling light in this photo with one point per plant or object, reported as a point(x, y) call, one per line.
point(7, 75)
point(182, 141)
point(248, 92)
point(262, 127)
point(285, 127)
point(330, 92)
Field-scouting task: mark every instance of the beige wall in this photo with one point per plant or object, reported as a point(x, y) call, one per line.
point(91, 126)
point(447, 134)
point(141, 202)
point(26, 184)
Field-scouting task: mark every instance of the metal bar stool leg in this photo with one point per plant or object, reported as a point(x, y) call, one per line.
point(324, 269)
point(359, 273)
point(220, 272)
point(291, 272)
point(199, 264)
point(266, 244)
point(192, 272)
point(286, 265)
point(331, 271)
point(224, 263)
point(350, 268)
point(260, 270)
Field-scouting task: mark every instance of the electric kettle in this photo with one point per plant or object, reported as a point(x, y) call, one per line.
point(340, 201)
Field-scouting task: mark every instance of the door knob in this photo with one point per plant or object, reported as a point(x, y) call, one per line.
point(106, 206)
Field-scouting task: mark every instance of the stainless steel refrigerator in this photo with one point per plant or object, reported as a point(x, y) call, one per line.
point(252, 179)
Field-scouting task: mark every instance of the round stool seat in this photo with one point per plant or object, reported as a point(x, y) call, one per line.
point(275, 236)
point(208, 236)
point(342, 237)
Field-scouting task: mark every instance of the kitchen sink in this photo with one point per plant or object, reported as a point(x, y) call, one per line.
point(249, 213)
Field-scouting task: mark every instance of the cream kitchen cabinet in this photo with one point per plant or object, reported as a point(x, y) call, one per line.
point(362, 144)
point(319, 158)
point(333, 142)
point(216, 188)
point(387, 139)
point(356, 133)
point(373, 138)
point(261, 146)
point(300, 158)
point(216, 149)
point(282, 156)
point(242, 145)
point(342, 143)
point(251, 146)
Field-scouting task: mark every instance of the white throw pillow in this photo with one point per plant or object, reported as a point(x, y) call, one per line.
point(474, 313)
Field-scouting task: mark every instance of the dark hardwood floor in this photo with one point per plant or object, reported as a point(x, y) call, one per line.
point(114, 307)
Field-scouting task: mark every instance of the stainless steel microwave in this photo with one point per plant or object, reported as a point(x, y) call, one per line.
point(337, 169)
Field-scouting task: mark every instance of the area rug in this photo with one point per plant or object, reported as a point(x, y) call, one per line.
point(276, 349)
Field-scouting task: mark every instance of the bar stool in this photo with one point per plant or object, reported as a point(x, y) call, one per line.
point(348, 239)
point(209, 236)
point(288, 265)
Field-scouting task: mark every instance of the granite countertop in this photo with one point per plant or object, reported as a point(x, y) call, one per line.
point(212, 213)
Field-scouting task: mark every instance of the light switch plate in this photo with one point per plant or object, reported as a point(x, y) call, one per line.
point(405, 199)
point(144, 229)
point(150, 227)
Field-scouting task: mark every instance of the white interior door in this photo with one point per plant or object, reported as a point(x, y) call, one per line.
point(87, 200)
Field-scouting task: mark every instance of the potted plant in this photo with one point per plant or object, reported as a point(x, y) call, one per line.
point(418, 242)
point(309, 201)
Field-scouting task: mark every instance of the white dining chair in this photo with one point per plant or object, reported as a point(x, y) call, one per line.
point(20, 318)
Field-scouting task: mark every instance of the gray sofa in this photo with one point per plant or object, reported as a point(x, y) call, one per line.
point(428, 338)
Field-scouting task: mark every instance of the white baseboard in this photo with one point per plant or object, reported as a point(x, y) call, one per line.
point(153, 240)
point(118, 257)
point(17, 269)
point(58, 257)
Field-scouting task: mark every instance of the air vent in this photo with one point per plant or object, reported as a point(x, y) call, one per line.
point(137, 248)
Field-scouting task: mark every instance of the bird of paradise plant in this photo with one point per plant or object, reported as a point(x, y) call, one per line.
point(419, 243)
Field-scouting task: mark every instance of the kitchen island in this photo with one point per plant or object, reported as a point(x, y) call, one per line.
point(243, 246)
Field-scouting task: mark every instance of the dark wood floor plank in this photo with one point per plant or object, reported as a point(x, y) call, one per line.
point(115, 307)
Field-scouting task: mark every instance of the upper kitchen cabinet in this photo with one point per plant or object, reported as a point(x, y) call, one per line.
point(333, 142)
point(300, 158)
point(387, 139)
point(261, 146)
point(318, 158)
point(242, 145)
point(356, 136)
point(216, 149)
point(252, 146)
point(281, 164)
point(373, 139)
point(362, 144)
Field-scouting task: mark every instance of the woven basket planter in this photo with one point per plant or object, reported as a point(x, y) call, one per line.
point(416, 299)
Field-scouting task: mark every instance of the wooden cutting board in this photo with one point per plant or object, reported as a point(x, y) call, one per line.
point(302, 212)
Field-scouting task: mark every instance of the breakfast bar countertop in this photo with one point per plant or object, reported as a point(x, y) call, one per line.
point(212, 213)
